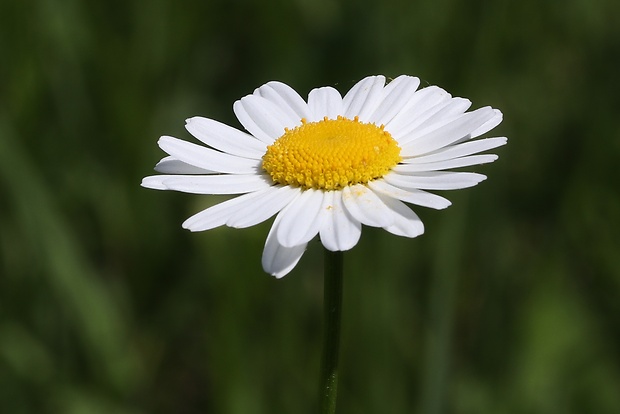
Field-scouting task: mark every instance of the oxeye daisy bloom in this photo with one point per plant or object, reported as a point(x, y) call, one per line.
point(327, 165)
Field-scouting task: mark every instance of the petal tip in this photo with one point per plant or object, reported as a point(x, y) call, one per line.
point(153, 182)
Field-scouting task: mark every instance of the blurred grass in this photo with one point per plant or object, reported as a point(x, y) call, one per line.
point(508, 304)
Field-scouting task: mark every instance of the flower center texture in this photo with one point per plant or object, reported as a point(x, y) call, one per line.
point(331, 154)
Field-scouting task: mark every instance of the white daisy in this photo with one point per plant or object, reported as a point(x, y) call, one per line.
point(331, 164)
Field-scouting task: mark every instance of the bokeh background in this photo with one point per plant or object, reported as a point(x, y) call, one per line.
point(508, 304)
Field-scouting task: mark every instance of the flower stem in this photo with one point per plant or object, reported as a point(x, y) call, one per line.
point(332, 304)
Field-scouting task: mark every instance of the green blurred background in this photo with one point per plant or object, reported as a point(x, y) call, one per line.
point(508, 304)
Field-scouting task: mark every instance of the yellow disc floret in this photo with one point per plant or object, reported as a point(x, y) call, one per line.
point(331, 154)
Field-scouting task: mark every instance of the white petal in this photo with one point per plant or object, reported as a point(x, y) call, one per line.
point(489, 125)
point(268, 203)
point(208, 184)
point(440, 135)
point(365, 206)
point(405, 133)
point(203, 157)
point(340, 231)
point(445, 111)
point(437, 180)
point(225, 138)
point(278, 260)
point(170, 165)
point(459, 150)
point(396, 96)
point(154, 182)
point(324, 102)
point(445, 164)
point(419, 108)
point(406, 222)
point(218, 214)
point(413, 196)
point(301, 219)
point(285, 98)
point(262, 118)
point(363, 98)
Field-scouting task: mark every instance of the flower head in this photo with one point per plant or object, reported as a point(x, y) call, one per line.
point(331, 164)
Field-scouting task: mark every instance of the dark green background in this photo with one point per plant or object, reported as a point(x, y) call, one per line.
point(509, 303)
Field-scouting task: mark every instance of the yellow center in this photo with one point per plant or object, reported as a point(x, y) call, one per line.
point(331, 154)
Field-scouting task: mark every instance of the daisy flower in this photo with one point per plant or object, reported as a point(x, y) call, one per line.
point(327, 165)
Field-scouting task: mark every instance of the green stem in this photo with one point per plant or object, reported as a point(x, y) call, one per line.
point(332, 304)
